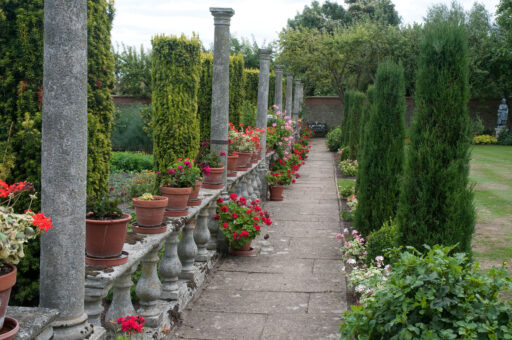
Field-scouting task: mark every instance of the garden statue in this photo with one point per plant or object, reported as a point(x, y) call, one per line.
point(502, 113)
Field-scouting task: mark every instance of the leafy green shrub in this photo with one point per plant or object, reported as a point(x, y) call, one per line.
point(249, 113)
point(251, 77)
point(356, 111)
point(333, 139)
point(381, 239)
point(133, 71)
point(348, 168)
point(505, 137)
point(129, 131)
point(477, 126)
point(130, 161)
point(204, 97)
point(382, 151)
point(132, 184)
point(345, 122)
point(346, 187)
point(434, 296)
point(175, 74)
point(436, 199)
point(236, 88)
point(485, 139)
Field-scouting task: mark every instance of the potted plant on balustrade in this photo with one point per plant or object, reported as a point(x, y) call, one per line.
point(243, 146)
point(105, 232)
point(232, 158)
point(149, 211)
point(15, 230)
point(211, 167)
point(177, 184)
point(254, 135)
point(240, 222)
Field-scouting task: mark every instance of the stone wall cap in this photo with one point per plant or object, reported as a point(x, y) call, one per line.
point(265, 52)
point(33, 320)
point(279, 67)
point(289, 74)
point(222, 11)
point(297, 80)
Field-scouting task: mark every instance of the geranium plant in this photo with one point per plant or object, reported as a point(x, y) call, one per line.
point(17, 229)
point(130, 325)
point(103, 208)
point(240, 221)
point(180, 174)
point(281, 178)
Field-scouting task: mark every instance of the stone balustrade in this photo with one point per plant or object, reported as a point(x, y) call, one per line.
point(168, 279)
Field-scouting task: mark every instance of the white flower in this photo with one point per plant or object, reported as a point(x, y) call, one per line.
point(345, 230)
point(343, 268)
point(379, 258)
point(360, 288)
point(351, 261)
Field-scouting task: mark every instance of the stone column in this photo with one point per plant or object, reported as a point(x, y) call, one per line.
point(289, 93)
point(296, 100)
point(220, 85)
point(263, 83)
point(64, 165)
point(278, 97)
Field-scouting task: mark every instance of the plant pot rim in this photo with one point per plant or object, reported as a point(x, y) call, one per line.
point(233, 156)
point(126, 217)
point(8, 280)
point(217, 170)
point(179, 190)
point(12, 332)
point(157, 202)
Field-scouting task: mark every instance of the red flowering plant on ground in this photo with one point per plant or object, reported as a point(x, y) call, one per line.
point(130, 325)
point(16, 229)
point(281, 178)
point(240, 221)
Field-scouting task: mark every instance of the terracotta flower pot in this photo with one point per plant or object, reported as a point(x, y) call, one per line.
point(193, 200)
point(214, 179)
point(245, 250)
point(254, 157)
point(105, 238)
point(232, 160)
point(7, 281)
point(150, 213)
point(242, 163)
point(258, 151)
point(178, 199)
point(9, 329)
point(276, 192)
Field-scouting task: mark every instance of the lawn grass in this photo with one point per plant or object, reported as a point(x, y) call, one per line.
point(491, 172)
point(346, 186)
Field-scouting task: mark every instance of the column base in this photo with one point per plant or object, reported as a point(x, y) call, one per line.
point(74, 329)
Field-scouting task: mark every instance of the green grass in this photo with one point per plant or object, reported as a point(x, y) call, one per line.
point(346, 187)
point(491, 172)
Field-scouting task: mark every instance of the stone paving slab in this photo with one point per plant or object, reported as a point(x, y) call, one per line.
point(295, 288)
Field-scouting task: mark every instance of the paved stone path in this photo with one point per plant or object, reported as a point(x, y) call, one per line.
point(294, 288)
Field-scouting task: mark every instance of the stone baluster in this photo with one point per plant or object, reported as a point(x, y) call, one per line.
point(187, 251)
point(250, 190)
point(213, 226)
point(237, 188)
point(149, 288)
point(94, 295)
point(202, 236)
point(170, 268)
point(243, 187)
point(121, 305)
point(256, 183)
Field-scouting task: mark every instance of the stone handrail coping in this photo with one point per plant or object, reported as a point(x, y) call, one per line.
point(35, 322)
point(105, 276)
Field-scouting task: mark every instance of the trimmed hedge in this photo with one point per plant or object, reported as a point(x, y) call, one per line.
point(175, 74)
point(382, 152)
point(436, 201)
point(236, 88)
point(131, 161)
point(204, 98)
point(251, 85)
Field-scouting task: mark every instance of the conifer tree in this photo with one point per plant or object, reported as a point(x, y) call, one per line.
point(436, 201)
point(381, 158)
point(356, 111)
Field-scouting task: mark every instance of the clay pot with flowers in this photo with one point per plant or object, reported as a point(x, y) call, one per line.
point(277, 181)
point(232, 158)
point(177, 183)
point(212, 169)
point(254, 137)
point(243, 147)
point(15, 230)
point(149, 210)
point(105, 231)
point(240, 222)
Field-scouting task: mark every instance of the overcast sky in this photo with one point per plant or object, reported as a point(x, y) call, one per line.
point(137, 21)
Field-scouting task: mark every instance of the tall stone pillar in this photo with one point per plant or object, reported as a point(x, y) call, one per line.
point(263, 84)
point(289, 93)
point(278, 97)
point(64, 165)
point(296, 100)
point(220, 85)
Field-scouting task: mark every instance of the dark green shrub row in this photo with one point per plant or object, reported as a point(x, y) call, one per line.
point(251, 85)
point(204, 97)
point(382, 152)
point(130, 161)
point(334, 139)
point(505, 137)
point(354, 119)
point(249, 113)
point(380, 240)
point(129, 133)
point(175, 74)
point(436, 200)
point(236, 88)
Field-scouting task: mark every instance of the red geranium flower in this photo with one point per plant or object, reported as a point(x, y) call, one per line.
point(44, 223)
point(233, 196)
point(225, 225)
point(224, 208)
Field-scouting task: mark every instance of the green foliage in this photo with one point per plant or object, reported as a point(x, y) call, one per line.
point(26, 290)
point(249, 50)
point(346, 187)
point(382, 153)
point(128, 185)
point(180, 174)
point(236, 88)
point(356, 111)
point(477, 126)
point(132, 71)
point(249, 113)
point(129, 132)
point(130, 161)
point(348, 168)
point(334, 139)
point(436, 201)
point(251, 85)
point(100, 82)
point(505, 137)
point(271, 88)
point(204, 97)
point(346, 117)
point(485, 139)
point(434, 296)
point(175, 74)
point(382, 239)
point(103, 208)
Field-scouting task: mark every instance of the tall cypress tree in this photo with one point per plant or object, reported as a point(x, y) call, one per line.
point(356, 111)
point(236, 87)
point(436, 202)
point(346, 117)
point(381, 158)
point(204, 97)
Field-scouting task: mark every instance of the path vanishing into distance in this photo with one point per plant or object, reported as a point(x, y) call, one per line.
point(293, 288)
